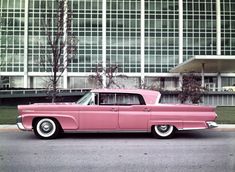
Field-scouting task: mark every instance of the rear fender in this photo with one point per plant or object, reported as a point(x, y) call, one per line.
point(177, 124)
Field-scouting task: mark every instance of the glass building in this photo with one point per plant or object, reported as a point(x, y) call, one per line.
point(145, 38)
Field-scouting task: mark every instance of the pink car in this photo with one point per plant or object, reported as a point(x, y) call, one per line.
point(115, 110)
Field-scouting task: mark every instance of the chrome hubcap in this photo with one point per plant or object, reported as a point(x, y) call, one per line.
point(46, 127)
point(163, 128)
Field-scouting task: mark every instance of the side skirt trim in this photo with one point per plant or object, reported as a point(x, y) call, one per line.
point(202, 128)
point(105, 131)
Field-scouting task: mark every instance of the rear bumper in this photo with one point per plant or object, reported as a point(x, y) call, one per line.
point(19, 123)
point(212, 124)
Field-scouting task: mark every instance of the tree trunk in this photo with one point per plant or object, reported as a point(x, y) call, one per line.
point(54, 85)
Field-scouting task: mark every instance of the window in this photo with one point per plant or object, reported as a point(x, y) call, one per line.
point(106, 99)
point(85, 100)
point(129, 99)
point(119, 99)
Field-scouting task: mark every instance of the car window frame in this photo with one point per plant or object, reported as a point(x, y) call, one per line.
point(97, 102)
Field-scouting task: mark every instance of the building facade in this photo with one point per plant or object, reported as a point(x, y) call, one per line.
point(145, 38)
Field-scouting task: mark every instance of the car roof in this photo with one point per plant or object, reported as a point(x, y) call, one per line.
point(150, 96)
point(118, 90)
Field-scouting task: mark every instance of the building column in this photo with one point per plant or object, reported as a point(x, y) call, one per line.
point(218, 28)
point(219, 81)
point(26, 40)
point(142, 41)
point(65, 38)
point(218, 38)
point(104, 43)
point(181, 29)
point(203, 75)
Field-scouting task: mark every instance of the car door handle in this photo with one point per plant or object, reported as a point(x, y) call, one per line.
point(147, 110)
point(114, 110)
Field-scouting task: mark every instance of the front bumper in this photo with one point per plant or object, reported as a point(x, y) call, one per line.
point(212, 124)
point(19, 123)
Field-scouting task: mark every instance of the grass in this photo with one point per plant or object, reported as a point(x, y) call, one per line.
point(226, 115)
point(8, 114)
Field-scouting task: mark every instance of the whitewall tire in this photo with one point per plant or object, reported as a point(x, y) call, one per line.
point(46, 128)
point(163, 131)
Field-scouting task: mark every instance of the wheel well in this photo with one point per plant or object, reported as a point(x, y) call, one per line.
point(36, 119)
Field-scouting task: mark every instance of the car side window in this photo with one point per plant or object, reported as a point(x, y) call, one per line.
point(107, 99)
point(129, 99)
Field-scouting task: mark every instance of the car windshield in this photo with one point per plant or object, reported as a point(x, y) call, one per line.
point(84, 100)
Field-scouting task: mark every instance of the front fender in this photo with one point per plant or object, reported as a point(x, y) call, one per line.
point(67, 122)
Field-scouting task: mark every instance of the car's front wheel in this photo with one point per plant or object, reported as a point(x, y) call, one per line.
point(46, 128)
point(163, 131)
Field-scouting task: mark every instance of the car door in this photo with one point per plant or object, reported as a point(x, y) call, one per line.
point(103, 115)
point(133, 113)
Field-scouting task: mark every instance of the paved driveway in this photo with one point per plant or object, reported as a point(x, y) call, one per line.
point(203, 151)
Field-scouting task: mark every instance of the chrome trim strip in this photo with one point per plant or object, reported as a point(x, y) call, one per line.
point(105, 131)
point(28, 111)
point(201, 128)
point(20, 126)
point(19, 123)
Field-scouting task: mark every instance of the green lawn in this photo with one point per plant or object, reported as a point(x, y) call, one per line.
point(8, 114)
point(226, 115)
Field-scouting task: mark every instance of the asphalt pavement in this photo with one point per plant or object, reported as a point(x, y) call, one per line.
point(188, 151)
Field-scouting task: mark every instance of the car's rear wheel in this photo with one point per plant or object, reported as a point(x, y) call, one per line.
point(163, 131)
point(46, 128)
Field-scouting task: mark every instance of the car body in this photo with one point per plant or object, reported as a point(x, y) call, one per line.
point(115, 110)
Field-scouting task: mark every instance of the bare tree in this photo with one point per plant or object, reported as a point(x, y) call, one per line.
point(1, 58)
point(110, 73)
point(155, 85)
point(4, 80)
point(1, 78)
point(4, 23)
point(63, 46)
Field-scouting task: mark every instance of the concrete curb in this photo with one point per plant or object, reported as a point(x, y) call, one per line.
point(8, 127)
point(225, 127)
point(221, 127)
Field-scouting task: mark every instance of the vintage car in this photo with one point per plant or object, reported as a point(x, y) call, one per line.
point(115, 110)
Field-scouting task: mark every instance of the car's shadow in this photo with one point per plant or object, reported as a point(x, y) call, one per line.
point(203, 134)
point(106, 135)
point(200, 134)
